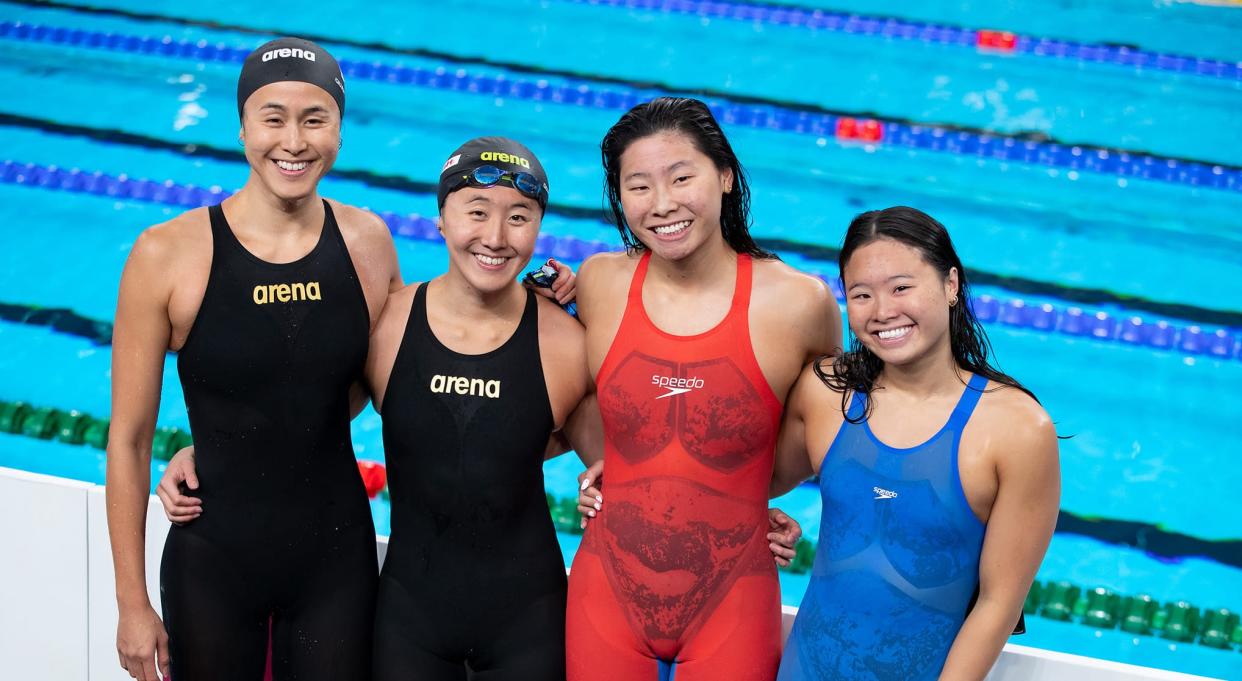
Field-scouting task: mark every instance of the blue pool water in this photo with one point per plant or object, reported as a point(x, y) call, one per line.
point(1154, 433)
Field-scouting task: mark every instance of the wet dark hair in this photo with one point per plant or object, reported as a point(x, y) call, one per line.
point(858, 369)
point(693, 119)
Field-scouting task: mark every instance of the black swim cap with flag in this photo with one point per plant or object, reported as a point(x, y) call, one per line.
point(285, 59)
point(485, 161)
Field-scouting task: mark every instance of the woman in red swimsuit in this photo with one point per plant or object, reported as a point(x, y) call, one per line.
point(695, 336)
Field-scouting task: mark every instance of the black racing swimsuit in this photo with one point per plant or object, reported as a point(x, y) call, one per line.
point(286, 533)
point(474, 578)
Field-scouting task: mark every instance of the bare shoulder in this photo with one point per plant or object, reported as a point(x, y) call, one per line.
point(169, 245)
point(813, 387)
point(359, 224)
point(1003, 404)
point(787, 298)
point(602, 280)
point(555, 322)
point(604, 268)
point(1016, 422)
point(372, 251)
point(797, 290)
point(180, 233)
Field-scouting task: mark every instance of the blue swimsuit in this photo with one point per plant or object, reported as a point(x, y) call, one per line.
point(898, 557)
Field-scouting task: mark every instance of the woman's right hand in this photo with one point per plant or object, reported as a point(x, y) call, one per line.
point(179, 508)
point(590, 498)
point(142, 644)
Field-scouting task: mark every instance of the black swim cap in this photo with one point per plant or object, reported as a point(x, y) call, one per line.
point(506, 154)
point(291, 59)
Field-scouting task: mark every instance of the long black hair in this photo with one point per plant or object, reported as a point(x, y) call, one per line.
point(693, 119)
point(858, 369)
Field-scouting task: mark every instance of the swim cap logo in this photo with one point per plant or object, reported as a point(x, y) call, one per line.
point(450, 163)
point(475, 387)
point(503, 158)
point(285, 293)
point(289, 52)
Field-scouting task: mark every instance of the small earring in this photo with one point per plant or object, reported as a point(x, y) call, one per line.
point(953, 303)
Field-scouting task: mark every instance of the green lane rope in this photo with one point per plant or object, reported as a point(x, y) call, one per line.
point(1177, 620)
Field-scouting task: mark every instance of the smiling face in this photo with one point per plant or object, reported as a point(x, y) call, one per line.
point(292, 132)
point(671, 194)
point(490, 233)
point(897, 303)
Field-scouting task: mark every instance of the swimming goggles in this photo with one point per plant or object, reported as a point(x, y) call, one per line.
point(489, 176)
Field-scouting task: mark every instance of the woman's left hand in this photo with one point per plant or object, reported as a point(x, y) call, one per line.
point(783, 535)
point(565, 289)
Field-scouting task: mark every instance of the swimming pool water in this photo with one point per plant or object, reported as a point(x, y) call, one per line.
point(1039, 223)
point(1154, 440)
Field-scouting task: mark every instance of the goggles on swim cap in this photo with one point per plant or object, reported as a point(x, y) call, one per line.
point(489, 176)
point(486, 161)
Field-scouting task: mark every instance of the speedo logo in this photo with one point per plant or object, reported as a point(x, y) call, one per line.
point(286, 293)
point(675, 386)
point(465, 386)
point(288, 52)
point(503, 158)
point(881, 493)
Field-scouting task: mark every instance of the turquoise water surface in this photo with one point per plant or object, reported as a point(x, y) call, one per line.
point(1154, 431)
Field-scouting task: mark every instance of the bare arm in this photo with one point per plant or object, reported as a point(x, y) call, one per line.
point(570, 389)
point(821, 322)
point(140, 341)
point(386, 342)
point(374, 256)
point(585, 430)
point(1019, 528)
point(826, 339)
point(793, 464)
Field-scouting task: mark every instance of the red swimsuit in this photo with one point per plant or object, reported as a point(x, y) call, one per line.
point(676, 568)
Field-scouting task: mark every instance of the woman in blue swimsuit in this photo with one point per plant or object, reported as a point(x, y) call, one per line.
point(939, 474)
